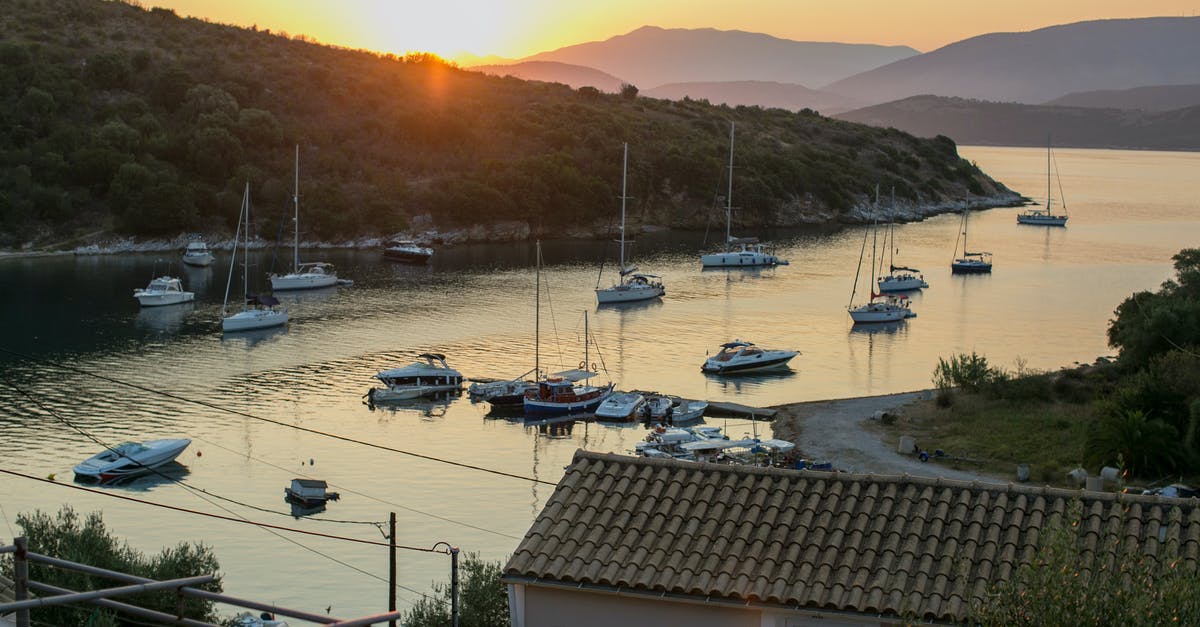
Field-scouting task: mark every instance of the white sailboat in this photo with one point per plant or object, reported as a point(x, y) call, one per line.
point(970, 263)
point(750, 252)
point(1044, 217)
point(880, 307)
point(304, 276)
point(633, 286)
point(898, 278)
point(265, 314)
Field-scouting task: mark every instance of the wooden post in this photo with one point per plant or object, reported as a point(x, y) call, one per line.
point(454, 586)
point(392, 567)
point(21, 580)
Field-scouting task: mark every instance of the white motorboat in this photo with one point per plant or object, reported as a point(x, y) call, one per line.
point(266, 619)
point(738, 356)
point(1045, 217)
point(621, 406)
point(197, 254)
point(503, 393)
point(687, 410)
point(751, 253)
point(632, 286)
point(304, 276)
point(658, 407)
point(164, 290)
point(420, 378)
point(266, 312)
point(129, 459)
point(408, 251)
point(970, 263)
point(664, 441)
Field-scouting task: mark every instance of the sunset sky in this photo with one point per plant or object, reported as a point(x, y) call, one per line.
point(517, 28)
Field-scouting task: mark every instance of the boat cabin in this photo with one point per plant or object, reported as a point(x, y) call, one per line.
point(196, 248)
point(731, 349)
point(310, 492)
point(433, 371)
point(315, 267)
point(165, 284)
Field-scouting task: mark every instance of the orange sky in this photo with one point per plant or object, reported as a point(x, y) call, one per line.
point(517, 28)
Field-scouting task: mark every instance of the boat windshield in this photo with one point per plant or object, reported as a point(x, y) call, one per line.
point(130, 448)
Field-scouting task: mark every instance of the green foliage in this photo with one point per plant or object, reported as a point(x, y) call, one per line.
point(1151, 323)
point(1129, 437)
point(1069, 583)
point(86, 540)
point(482, 601)
point(967, 372)
point(102, 85)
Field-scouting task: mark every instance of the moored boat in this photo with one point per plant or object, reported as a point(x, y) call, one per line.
point(559, 395)
point(197, 254)
point(1044, 217)
point(750, 253)
point(266, 313)
point(632, 286)
point(164, 290)
point(304, 276)
point(129, 459)
point(738, 356)
point(407, 251)
point(970, 262)
point(417, 379)
point(621, 406)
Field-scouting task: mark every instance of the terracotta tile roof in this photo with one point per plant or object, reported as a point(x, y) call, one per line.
point(892, 545)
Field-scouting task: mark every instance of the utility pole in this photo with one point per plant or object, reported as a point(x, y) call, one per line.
point(21, 580)
point(454, 586)
point(392, 567)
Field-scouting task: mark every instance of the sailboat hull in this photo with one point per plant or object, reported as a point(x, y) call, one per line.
point(1041, 219)
point(254, 319)
point(901, 284)
point(865, 315)
point(966, 266)
point(742, 259)
point(628, 293)
point(541, 408)
point(305, 281)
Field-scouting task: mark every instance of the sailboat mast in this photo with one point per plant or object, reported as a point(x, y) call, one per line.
point(892, 233)
point(586, 356)
point(965, 247)
point(624, 171)
point(1047, 175)
point(233, 260)
point(537, 316)
point(874, 239)
point(729, 195)
point(296, 217)
point(246, 250)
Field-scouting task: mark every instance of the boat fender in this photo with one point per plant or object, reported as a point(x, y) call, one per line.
point(924, 456)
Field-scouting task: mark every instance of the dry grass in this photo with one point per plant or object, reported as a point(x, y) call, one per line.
point(997, 435)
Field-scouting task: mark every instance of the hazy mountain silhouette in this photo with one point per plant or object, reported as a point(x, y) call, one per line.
point(1149, 98)
point(651, 56)
point(1014, 124)
point(1037, 66)
point(553, 72)
point(762, 93)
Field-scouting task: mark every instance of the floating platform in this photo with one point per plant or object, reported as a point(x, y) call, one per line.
point(717, 408)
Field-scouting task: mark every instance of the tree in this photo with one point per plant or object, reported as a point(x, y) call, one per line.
point(86, 540)
point(1151, 323)
point(629, 91)
point(482, 599)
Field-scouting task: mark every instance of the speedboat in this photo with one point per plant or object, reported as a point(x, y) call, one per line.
point(664, 441)
point(266, 619)
point(658, 407)
point(621, 406)
point(407, 250)
point(687, 410)
point(164, 290)
point(417, 379)
point(738, 356)
point(559, 395)
point(197, 254)
point(506, 393)
point(129, 459)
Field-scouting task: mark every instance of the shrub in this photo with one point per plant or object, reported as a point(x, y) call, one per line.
point(968, 372)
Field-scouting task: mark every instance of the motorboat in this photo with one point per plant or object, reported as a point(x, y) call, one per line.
point(261, 312)
point(621, 406)
point(129, 459)
point(1045, 217)
point(508, 393)
point(664, 441)
point(687, 410)
point(970, 262)
point(738, 356)
point(407, 251)
point(658, 407)
point(420, 378)
point(304, 276)
point(265, 619)
point(164, 290)
point(750, 253)
point(561, 394)
point(198, 254)
point(633, 286)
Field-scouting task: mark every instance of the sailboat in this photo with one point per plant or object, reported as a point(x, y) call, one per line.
point(899, 278)
point(560, 393)
point(266, 314)
point(880, 307)
point(750, 253)
point(304, 276)
point(633, 285)
point(970, 263)
point(1045, 218)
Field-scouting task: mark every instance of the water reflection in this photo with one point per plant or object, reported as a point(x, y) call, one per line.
point(307, 297)
point(425, 406)
point(254, 337)
point(165, 320)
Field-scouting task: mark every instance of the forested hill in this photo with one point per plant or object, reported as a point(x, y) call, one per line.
point(121, 119)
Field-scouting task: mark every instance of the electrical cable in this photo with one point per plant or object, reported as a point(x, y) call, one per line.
point(244, 414)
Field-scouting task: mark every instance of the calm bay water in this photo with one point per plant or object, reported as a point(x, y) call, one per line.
point(1046, 305)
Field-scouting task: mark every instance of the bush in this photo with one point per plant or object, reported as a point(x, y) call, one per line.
point(968, 372)
point(482, 600)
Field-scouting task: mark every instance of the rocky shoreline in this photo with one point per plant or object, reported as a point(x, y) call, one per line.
point(425, 232)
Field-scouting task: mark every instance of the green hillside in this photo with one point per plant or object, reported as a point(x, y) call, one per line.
point(127, 120)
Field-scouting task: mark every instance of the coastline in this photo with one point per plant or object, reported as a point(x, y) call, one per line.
point(837, 431)
point(425, 234)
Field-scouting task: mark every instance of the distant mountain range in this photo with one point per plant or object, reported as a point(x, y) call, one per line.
point(1151, 98)
point(1042, 65)
point(554, 72)
point(1014, 124)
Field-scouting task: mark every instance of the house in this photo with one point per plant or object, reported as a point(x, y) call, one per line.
point(636, 541)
